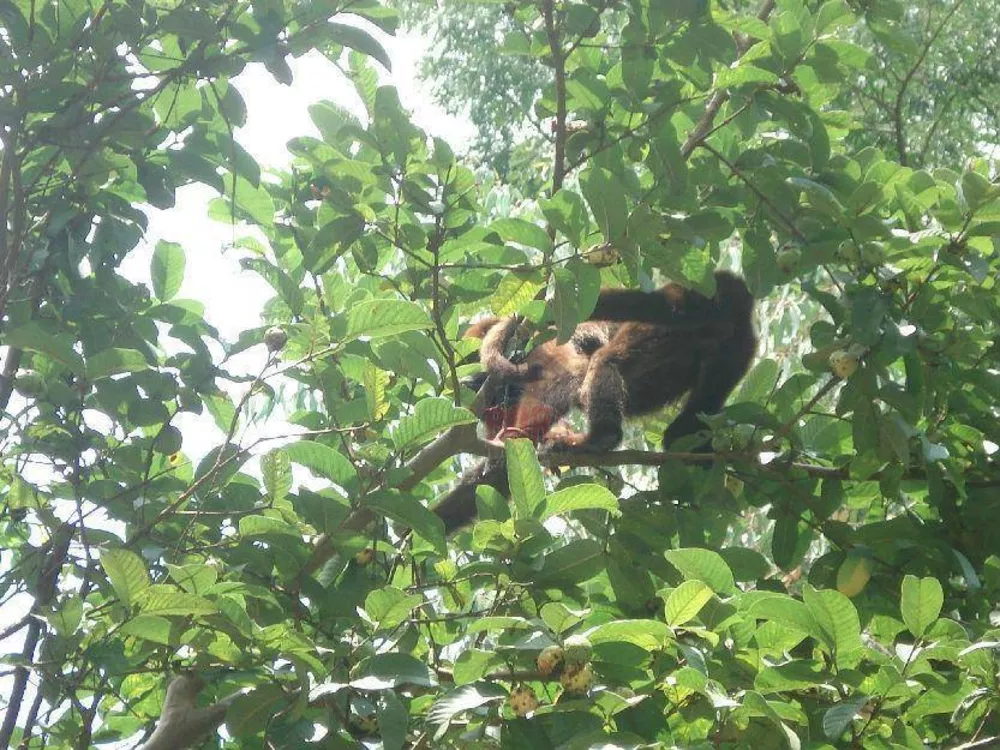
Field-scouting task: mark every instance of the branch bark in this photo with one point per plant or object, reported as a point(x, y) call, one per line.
point(181, 722)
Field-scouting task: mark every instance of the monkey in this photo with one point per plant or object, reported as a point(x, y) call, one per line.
point(636, 353)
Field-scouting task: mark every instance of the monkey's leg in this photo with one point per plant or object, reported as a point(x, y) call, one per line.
point(603, 398)
point(717, 376)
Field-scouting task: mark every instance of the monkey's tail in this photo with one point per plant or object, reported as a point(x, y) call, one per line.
point(458, 507)
point(679, 307)
point(492, 355)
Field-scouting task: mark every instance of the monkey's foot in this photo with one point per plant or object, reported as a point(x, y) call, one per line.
point(575, 442)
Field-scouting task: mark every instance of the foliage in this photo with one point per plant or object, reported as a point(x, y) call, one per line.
point(827, 579)
point(930, 98)
point(474, 71)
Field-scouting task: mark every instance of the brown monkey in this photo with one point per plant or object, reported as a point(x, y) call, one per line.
point(638, 352)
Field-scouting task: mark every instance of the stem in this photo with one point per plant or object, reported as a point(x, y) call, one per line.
point(559, 65)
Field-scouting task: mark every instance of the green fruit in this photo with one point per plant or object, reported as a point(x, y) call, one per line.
point(873, 254)
point(788, 259)
point(168, 441)
point(602, 255)
point(550, 659)
point(30, 385)
point(522, 700)
point(843, 364)
point(577, 681)
point(275, 339)
point(577, 651)
point(853, 574)
point(848, 252)
point(365, 556)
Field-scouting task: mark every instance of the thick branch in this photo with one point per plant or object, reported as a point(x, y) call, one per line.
point(559, 64)
point(181, 721)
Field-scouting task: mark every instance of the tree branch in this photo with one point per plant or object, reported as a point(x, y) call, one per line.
point(181, 721)
point(704, 126)
point(897, 112)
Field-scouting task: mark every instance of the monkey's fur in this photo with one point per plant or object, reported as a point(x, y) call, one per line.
point(637, 352)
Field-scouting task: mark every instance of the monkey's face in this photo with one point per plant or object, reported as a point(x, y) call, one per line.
point(513, 411)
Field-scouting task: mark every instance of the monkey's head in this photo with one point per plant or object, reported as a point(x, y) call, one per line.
point(513, 407)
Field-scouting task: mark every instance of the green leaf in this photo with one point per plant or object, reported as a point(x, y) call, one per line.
point(578, 497)
point(567, 212)
point(167, 270)
point(703, 565)
point(921, 603)
point(127, 573)
point(564, 304)
point(357, 39)
point(405, 509)
point(222, 409)
point(799, 674)
point(376, 318)
point(578, 561)
point(67, 618)
point(250, 713)
point(430, 417)
point(785, 541)
point(194, 578)
point(686, 601)
point(837, 718)
point(522, 232)
point(390, 606)
point(651, 635)
point(240, 195)
point(393, 722)
point(832, 14)
point(165, 604)
point(281, 282)
point(392, 670)
point(151, 628)
point(781, 608)
point(820, 196)
point(32, 337)
point(606, 197)
point(114, 362)
point(838, 622)
point(474, 664)
point(465, 698)
point(376, 381)
point(527, 488)
point(322, 461)
point(276, 469)
point(742, 75)
point(265, 526)
point(515, 289)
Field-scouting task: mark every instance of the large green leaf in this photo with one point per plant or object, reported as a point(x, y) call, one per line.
point(430, 417)
point(167, 270)
point(385, 317)
point(323, 461)
point(578, 497)
point(127, 573)
point(921, 603)
point(59, 348)
point(703, 565)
